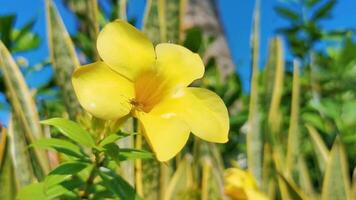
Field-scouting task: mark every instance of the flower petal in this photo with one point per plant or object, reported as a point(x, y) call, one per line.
point(179, 64)
point(203, 110)
point(166, 135)
point(125, 49)
point(103, 92)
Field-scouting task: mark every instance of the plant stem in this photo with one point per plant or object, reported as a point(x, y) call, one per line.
point(92, 175)
point(138, 168)
point(88, 183)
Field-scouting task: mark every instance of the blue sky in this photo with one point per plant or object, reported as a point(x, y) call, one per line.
point(236, 17)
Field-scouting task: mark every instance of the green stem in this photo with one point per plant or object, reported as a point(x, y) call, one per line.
point(89, 182)
point(98, 162)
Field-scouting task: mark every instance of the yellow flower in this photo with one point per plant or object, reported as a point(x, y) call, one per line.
point(240, 185)
point(151, 84)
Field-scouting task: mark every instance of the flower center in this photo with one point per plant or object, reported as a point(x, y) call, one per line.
point(150, 89)
point(137, 105)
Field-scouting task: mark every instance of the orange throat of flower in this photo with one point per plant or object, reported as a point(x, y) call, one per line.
point(150, 89)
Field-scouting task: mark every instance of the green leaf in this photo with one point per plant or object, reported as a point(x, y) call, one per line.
point(117, 185)
point(102, 194)
point(64, 172)
point(336, 184)
point(25, 42)
point(193, 39)
point(72, 130)
point(118, 154)
point(324, 10)
point(113, 138)
point(132, 154)
point(314, 119)
point(66, 189)
point(25, 29)
point(112, 150)
point(311, 3)
point(62, 189)
point(6, 24)
point(287, 13)
point(34, 191)
point(61, 146)
point(23, 39)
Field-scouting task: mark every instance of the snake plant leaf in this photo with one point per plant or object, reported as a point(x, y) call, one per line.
point(320, 148)
point(279, 162)
point(293, 132)
point(173, 18)
point(2, 144)
point(293, 190)
point(22, 103)
point(150, 174)
point(305, 181)
point(122, 9)
point(274, 89)
point(287, 187)
point(63, 57)
point(151, 23)
point(87, 15)
point(353, 185)
point(254, 138)
point(182, 185)
point(20, 155)
point(19, 94)
point(127, 168)
point(162, 23)
point(336, 183)
point(7, 179)
point(163, 20)
point(212, 182)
